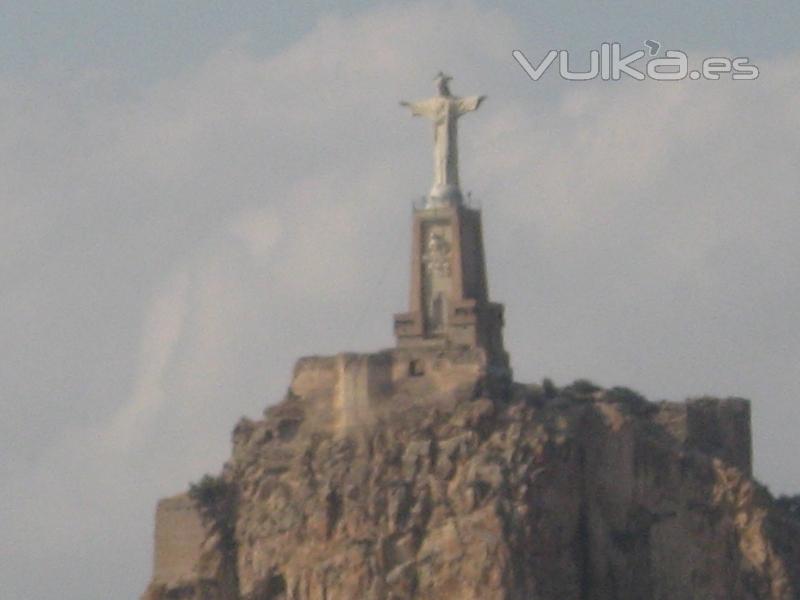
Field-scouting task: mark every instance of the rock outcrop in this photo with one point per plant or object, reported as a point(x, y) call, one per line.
point(398, 475)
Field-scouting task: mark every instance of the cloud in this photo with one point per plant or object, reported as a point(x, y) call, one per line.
point(259, 230)
point(162, 330)
point(170, 253)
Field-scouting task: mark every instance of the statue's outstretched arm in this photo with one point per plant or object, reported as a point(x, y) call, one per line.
point(423, 108)
point(470, 103)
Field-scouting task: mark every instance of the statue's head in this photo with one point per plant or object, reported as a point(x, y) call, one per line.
point(442, 84)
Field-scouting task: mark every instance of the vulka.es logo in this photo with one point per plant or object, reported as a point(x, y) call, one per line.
point(608, 63)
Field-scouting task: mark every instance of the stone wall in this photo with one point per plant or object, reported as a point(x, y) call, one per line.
point(179, 537)
point(351, 390)
point(721, 428)
point(717, 427)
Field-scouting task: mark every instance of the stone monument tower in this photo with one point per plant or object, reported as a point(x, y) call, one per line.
point(449, 300)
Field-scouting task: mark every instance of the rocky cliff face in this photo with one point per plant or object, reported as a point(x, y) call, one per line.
point(391, 476)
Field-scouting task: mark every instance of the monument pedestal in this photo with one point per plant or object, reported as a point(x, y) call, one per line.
point(449, 300)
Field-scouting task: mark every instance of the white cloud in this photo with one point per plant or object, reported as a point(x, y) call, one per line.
point(162, 330)
point(259, 230)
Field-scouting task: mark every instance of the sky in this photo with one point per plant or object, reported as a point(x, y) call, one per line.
point(192, 197)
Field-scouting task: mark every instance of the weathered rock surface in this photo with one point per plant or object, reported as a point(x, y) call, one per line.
point(372, 480)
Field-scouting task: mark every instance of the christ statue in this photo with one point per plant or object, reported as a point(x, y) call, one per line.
point(444, 109)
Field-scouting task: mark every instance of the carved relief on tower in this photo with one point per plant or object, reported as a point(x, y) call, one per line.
point(437, 253)
point(436, 280)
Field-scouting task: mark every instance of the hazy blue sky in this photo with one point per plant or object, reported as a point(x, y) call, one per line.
point(193, 196)
point(149, 40)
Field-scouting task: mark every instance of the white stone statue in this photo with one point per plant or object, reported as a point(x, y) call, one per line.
point(444, 109)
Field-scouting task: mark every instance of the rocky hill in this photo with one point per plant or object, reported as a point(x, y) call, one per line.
point(390, 476)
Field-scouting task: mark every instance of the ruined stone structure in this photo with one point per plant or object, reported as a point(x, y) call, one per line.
point(425, 472)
